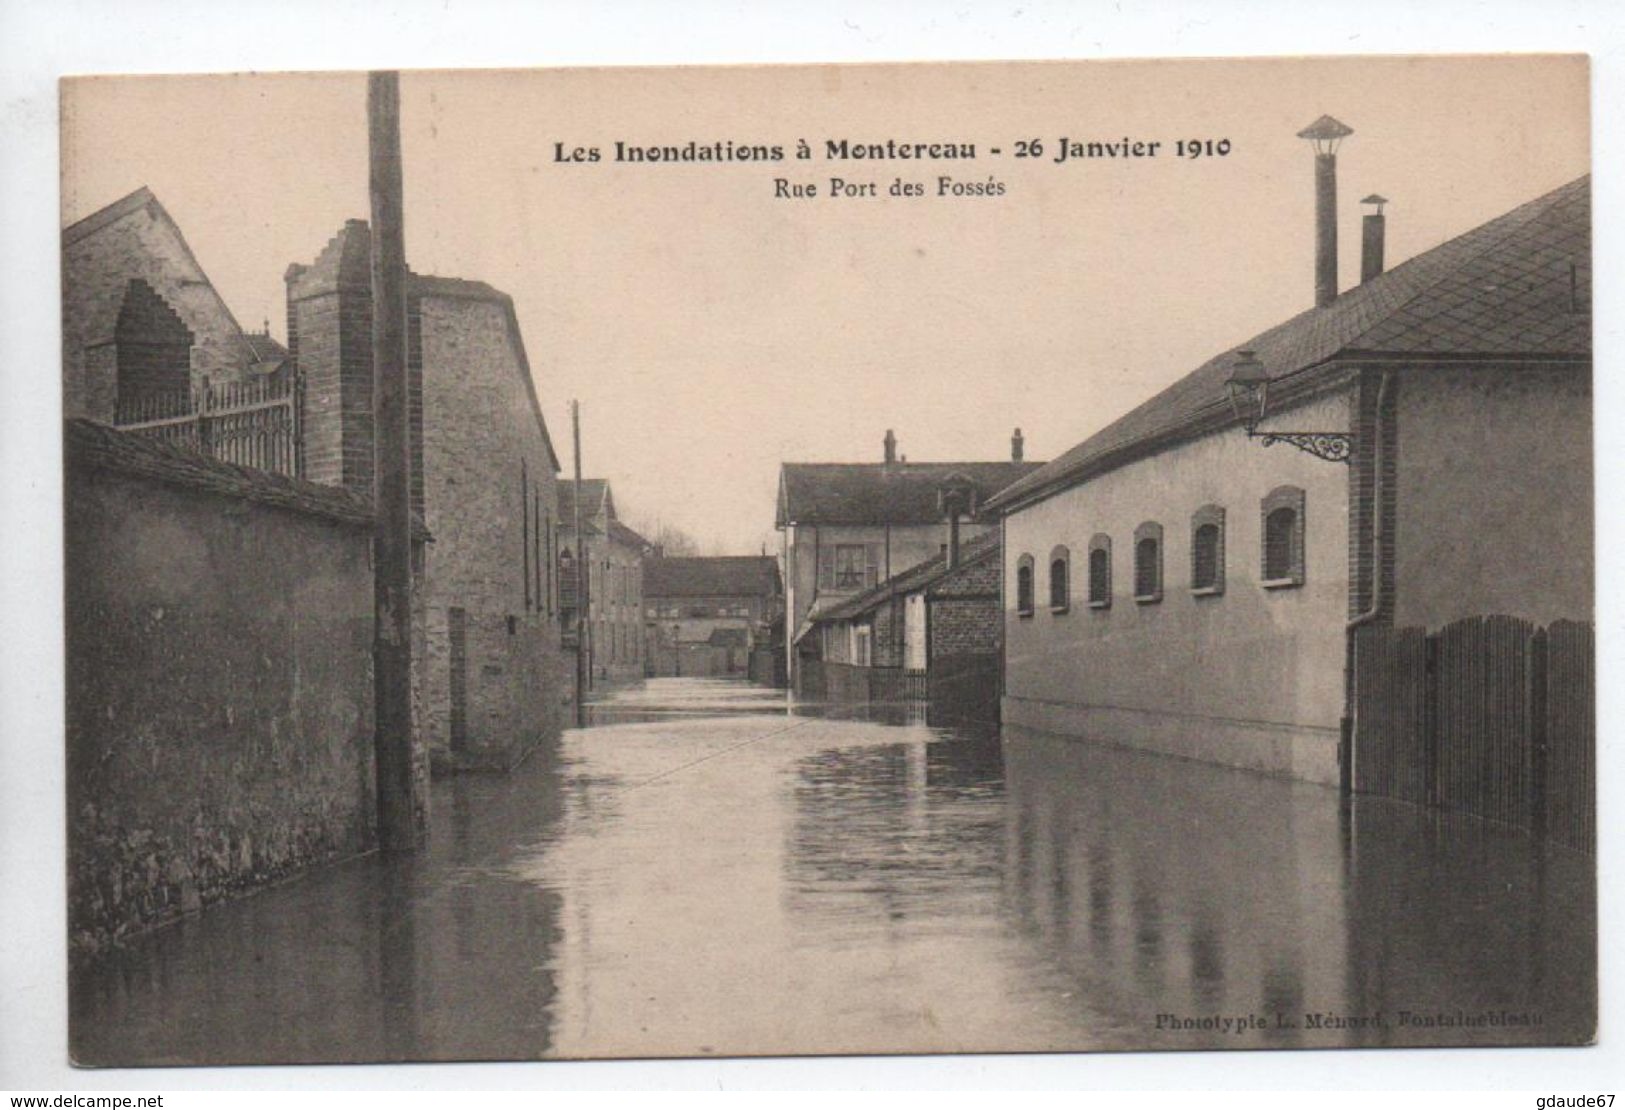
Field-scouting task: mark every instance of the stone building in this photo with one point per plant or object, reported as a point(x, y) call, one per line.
point(706, 615)
point(849, 526)
point(140, 320)
point(613, 555)
point(493, 676)
point(1179, 584)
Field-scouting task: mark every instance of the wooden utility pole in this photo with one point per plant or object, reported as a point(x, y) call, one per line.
point(582, 594)
point(392, 477)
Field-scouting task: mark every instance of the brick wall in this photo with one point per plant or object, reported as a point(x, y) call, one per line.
point(153, 347)
point(220, 701)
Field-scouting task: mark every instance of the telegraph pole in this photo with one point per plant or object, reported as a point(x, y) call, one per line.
point(582, 594)
point(392, 471)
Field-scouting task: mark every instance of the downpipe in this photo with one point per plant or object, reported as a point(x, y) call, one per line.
point(1346, 752)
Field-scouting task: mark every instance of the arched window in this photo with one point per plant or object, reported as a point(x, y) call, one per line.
point(1148, 562)
point(1282, 512)
point(1100, 571)
point(1024, 586)
point(1060, 588)
point(1207, 550)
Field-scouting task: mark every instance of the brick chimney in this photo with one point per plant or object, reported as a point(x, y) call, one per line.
point(891, 447)
point(1372, 232)
point(1017, 447)
point(330, 337)
point(1327, 134)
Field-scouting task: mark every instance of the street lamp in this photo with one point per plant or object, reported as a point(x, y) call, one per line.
point(1249, 389)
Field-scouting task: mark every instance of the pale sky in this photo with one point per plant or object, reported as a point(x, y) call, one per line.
point(712, 331)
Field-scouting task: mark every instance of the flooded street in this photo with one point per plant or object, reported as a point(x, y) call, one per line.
point(708, 870)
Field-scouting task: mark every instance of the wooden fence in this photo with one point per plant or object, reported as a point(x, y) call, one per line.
point(254, 424)
point(1489, 715)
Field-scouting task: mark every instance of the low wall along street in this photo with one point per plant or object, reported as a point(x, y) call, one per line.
point(220, 722)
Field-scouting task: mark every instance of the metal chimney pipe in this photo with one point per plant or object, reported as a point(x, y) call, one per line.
point(1326, 133)
point(1372, 233)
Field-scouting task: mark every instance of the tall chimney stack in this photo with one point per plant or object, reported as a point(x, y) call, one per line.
point(1327, 134)
point(1017, 447)
point(891, 447)
point(1372, 232)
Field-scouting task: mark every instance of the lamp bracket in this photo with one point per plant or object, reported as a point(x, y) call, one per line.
point(1331, 446)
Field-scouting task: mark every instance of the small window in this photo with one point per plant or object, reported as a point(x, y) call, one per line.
point(1060, 589)
point(1207, 551)
point(1100, 572)
point(1024, 586)
point(851, 560)
point(1148, 562)
point(1283, 559)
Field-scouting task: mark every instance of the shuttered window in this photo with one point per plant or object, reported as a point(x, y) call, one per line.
point(1024, 586)
point(1100, 571)
point(1148, 562)
point(1060, 586)
point(1283, 537)
point(1207, 550)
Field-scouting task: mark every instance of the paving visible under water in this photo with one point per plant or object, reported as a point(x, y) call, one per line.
point(708, 870)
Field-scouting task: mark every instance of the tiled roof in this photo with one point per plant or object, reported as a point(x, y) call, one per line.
point(263, 349)
point(594, 491)
point(99, 447)
point(717, 576)
point(882, 493)
point(917, 577)
point(1503, 289)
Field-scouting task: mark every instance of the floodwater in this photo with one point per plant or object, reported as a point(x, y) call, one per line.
point(708, 869)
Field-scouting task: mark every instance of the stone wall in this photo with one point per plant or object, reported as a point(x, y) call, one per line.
point(101, 254)
point(489, 485)
point(219, 676)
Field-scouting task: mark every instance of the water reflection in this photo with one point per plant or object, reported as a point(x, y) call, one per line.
point(1213, 892)
point(712, 869)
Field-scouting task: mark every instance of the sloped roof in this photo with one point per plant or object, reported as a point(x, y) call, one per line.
point(714, 576)
point(1501, 290)
point(96, 446)
point(882, 493)
point(594, 498)
point(621, 534)
point(917, 577)
point(263, 349)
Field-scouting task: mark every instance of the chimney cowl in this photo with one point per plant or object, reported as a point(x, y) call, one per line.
point(1017, 446)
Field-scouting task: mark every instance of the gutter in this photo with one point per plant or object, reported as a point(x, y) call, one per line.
point(1372, 611)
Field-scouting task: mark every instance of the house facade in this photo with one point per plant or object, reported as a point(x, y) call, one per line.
point(493, 678)
point(931, 633)
point(1179, 584)
point(613, 554)
point(847, 527)
point(704, 616)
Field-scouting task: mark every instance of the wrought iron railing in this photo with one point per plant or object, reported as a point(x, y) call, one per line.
point(254, 423)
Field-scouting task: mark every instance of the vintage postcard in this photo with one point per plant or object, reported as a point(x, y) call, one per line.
point(849, 559)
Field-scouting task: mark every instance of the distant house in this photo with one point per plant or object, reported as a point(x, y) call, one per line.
point(613, 556)
point(929, 633)
point(1176, 584)
point(705, 616)
point(850, 526)
point(484, 476)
